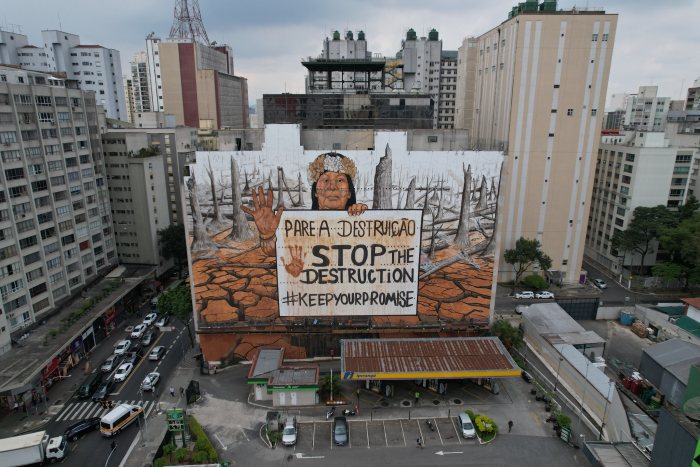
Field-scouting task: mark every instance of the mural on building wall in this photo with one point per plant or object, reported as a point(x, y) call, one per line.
point(405, 238)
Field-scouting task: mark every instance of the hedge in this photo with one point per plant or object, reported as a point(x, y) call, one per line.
point(196, 430)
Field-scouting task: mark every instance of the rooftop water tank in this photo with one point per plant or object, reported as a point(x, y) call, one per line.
point(411, 35)
point(530, 5)
point(336, 36)
point(361, 35)
point(548, 5)
point(348, 36)
point(433, 35)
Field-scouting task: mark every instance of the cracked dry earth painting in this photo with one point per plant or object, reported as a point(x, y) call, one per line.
point(390, 242)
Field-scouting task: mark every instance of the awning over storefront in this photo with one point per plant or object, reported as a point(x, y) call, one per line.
point(438, 358)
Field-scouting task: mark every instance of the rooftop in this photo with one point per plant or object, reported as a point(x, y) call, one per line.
point(676, 356)
point(21, 365)
point(617, 454)
point(267, 364)
point(580, 362)
point(692, 301)
point(555, 325)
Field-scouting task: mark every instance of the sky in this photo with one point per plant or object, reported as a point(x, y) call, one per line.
point(654, 46)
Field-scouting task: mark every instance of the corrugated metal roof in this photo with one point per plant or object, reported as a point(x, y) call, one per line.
point(596, 378)
point(550, 318)
point(675, 356)
point(688, 324)
point(425, 355)
point(575, 338)
point(671, 310)
point(294, 376)
point(268, 360)
point(619, 455)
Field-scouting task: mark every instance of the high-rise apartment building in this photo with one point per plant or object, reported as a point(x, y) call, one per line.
point(692, 101)
point(55, 224)
point(129, 94)
point(195, 82)
point(140, 80)
point(646, 111)
point(94, 67)
point(539, 93)
point(467, 56)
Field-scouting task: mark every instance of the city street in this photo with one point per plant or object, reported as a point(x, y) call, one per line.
point(93, 448)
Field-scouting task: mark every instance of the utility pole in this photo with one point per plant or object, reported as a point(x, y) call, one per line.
point(607, 402)
point(583, 399)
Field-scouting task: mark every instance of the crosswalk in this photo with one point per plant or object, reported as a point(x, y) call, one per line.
point(81, 410)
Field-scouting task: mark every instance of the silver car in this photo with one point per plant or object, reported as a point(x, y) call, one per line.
point(111, 363)
point(157, 353)
point(289, 434)
point(600, 284)
point(150, 382)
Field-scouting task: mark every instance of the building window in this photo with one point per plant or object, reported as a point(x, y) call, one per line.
point(619, 221)
point(570, 112)
point(630, 157)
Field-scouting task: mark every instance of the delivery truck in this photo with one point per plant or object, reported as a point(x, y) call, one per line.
point(31, 449)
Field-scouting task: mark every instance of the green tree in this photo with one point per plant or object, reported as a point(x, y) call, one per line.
point(683, 243)
point(177, 302)
point(535, 281)
point(168, 450)
point(180, 454)
point(525, 253)
point(510, 336)
point(642, 231)
point(174, 244)
point(687, 210)
point(326, 384)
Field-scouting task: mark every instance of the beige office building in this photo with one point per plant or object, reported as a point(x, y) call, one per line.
point(539, 95)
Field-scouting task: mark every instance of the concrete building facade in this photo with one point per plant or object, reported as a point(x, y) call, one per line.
point(141, 96)
point(645, 111)
point(534, 67)
point(129, 94)
point(692, 101)
point(55, 224)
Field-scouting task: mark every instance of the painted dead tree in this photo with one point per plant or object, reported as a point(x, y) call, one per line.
point(382, 182)
point(483, 195)
point(241, 230)
point(219, 222)
point(462, 236)
point(201, 240)
point(411, 194)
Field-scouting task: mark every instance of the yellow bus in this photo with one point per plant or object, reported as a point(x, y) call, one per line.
point(119, 418)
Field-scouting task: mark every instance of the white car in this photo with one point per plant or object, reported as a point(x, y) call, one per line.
point(600, 284)
point(157, 353)
point(122, 347)
point(524, 295)
point(150, 382)
point(138, 331)
point(123, 371)
point(544, 295)
point(164, 320)
point(150, 318)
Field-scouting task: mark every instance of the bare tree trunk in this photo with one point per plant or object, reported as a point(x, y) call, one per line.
point(462, 236)
point(218, 222)
point(201, 238)
point(398, 198)
point(280, 190)
point(382, 182)
point(299, 187)
point(241, 230)
point(483, 194)
point(440, 212)
point(411, 194)
point(491, 247)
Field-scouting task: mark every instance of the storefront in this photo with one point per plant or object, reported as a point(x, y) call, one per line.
point(50, 374)
point(285, 386)
point(430, 363)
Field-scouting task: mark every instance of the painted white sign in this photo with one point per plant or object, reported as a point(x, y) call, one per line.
point(333, 264)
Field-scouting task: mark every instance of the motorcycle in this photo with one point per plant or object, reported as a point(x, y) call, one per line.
point(348, 412)
point(330, 413)
point(432, 428)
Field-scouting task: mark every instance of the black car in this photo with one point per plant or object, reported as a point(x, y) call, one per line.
point(103, 391)
point(526, 376)
point(89, 386)
point(74, 431)
point(148, 339)
point(340, 431)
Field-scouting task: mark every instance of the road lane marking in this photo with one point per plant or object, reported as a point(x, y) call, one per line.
point(386, 441)
point(367, 431)
point(535, 417)
point(133, 371)
point(438, 430)
point(421, 432)
point(79, 412)
point(66, 410)
point(402, 433)
point(459, 438)
point(313, 439)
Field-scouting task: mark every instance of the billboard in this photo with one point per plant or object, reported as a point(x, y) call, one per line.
point(287, 233)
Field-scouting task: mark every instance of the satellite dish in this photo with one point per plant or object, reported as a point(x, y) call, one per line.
point(691, 409)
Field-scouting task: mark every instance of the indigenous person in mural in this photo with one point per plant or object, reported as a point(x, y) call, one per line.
point(331, 177)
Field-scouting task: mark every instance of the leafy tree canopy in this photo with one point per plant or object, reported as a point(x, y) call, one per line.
point(177, 302)
point(525, 253)
point(174, 244)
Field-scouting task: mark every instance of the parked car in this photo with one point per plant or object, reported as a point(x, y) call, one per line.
point(163, 321)
point(340, 431)
point(526, 376)
point(465, 426)
point(289, 433)
point(122, 347)
point(123, 372)
point(150, 381)
point(89, 386)
point(600, 284)
point(544, 294)
point(148, 320)
point(157, 353)
point(138, 331)
point(133, 357)
point(103, 391)
point(148, 339)
point(524, 295)
point(111, 363)
point(74, 431)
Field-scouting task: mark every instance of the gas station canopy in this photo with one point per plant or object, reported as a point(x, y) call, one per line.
point(435, 358)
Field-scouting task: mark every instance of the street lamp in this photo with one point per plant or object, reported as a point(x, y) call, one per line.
point(583, 399)
point(558, 367)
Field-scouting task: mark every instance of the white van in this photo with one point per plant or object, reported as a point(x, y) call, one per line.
point(465, 426)
point(119, 418)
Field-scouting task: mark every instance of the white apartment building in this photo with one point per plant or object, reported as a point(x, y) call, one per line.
point(129, 94)
point(422, 62)
point(645, 111)
point(140, 83)
point(94, 67)
point(55, 225)
point(155, 83)
point(634, 168)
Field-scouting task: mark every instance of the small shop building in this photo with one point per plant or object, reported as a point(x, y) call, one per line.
point(285, 386)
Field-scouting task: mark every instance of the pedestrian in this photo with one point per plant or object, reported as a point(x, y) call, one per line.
point(358, 394)
point(16, 407)
point(172, 391)
point(182, 391)
point(419, 443)
point(417, 396)
point(510, 426)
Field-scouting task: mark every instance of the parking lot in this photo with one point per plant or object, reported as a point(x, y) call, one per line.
point(365, 434)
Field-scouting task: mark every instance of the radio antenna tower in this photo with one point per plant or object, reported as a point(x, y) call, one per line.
point(188, 22)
